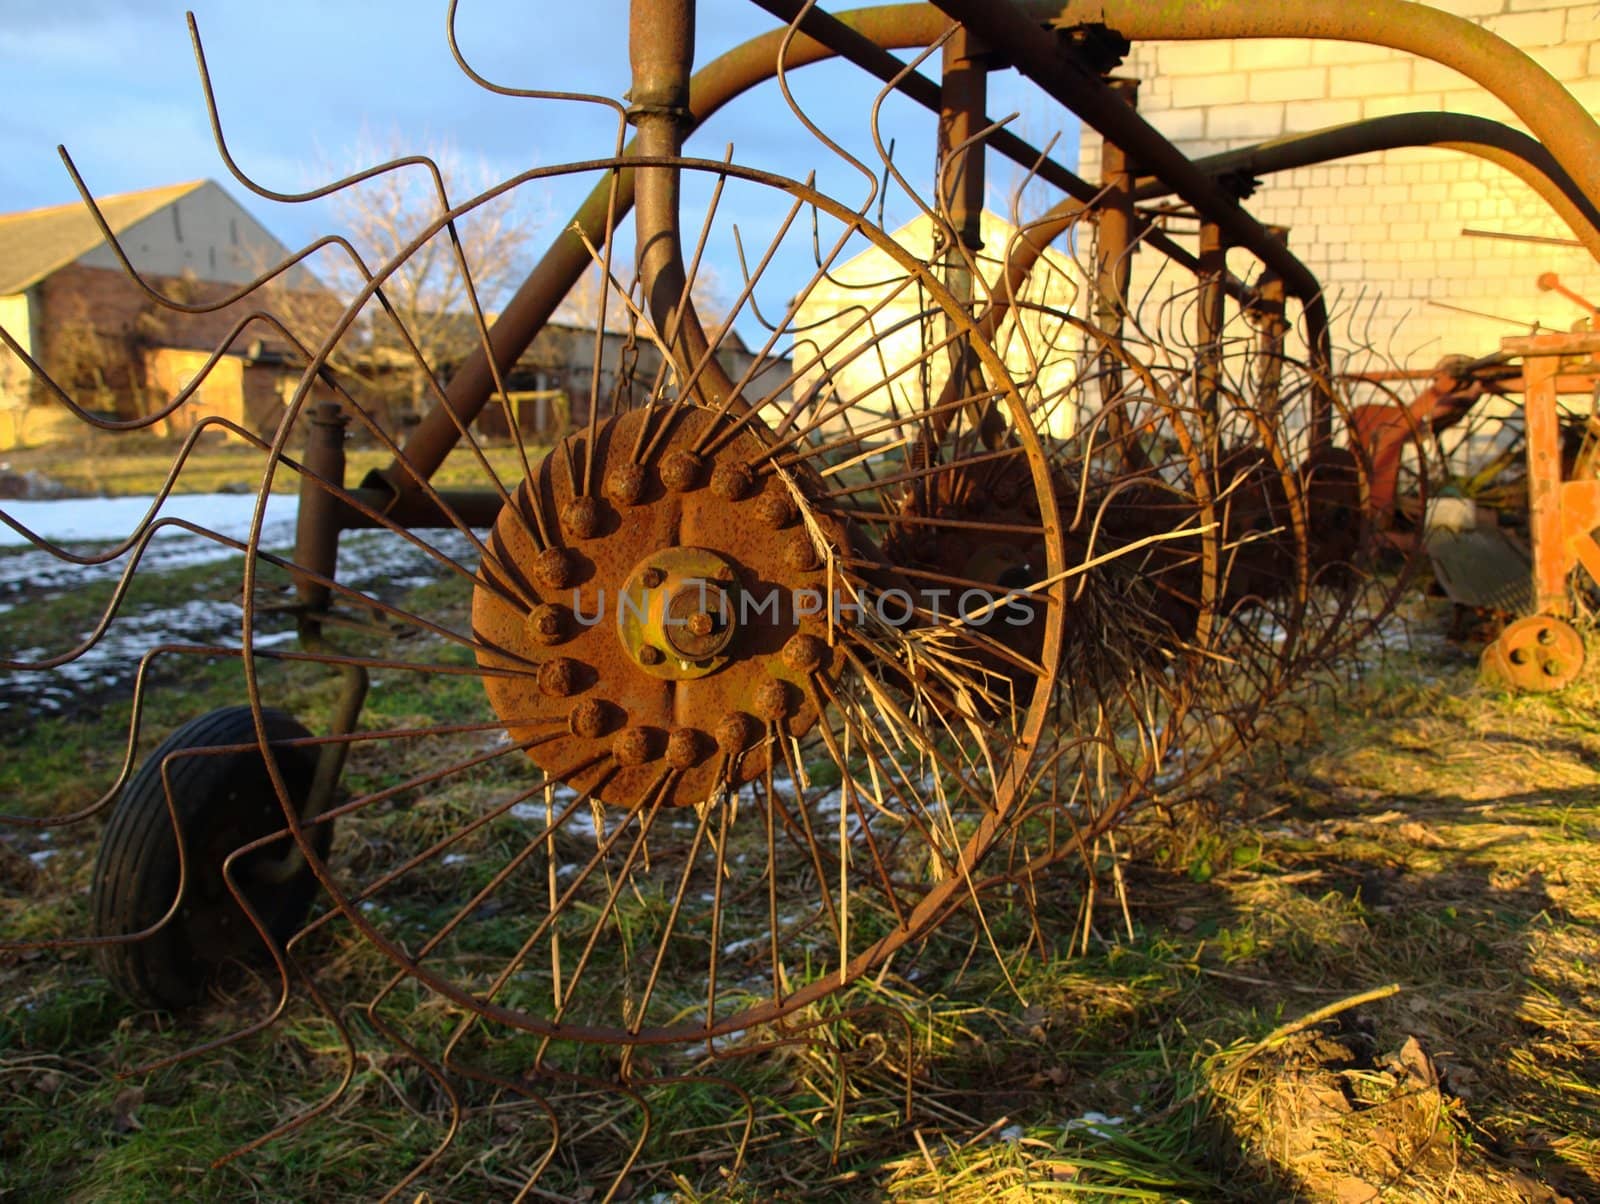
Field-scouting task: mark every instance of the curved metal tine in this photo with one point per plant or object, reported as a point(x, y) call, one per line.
point(862, 461)
point(114, 244)
point(626, 1169)
point(532, 1177)
point(646, 814)
point(815, 131)
point(785, 324)
point(390, 876)
point(723, 329)
point(89, 418)
point(130, 748)
point(496, 582)
point(202, 426)
point(611, 210)
point(910, 810)
point(523, 855)
point(166, 917)
point(976, 761)
point(376, 431)
point(894, 424)
point(529, 93)
point(283, 960)
point(310, 1113)
point(665, 933)
point(802, 834)
point(445, 1086)
point(850, 803)
point(890, 88)
point(347, 909)
point(254, 555)
point(819, 362)
point(720, 432)
point(822, 262)
point(791, 431)
point(607, 252)
point(769, 806)
point(741, 1147)
point(120, 591)
point(790, 309)
point(347, 181)
point(404, 332)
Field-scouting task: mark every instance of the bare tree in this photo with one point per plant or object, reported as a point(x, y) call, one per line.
point(438, 289)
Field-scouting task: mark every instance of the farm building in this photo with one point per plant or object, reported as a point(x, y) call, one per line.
point(70, 305)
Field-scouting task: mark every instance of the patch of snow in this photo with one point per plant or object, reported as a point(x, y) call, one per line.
point(376, 564)
point(1096, 1123)
point(112, 519)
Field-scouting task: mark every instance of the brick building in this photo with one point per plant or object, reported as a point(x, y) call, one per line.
point(1411, 232)
point(71, 306)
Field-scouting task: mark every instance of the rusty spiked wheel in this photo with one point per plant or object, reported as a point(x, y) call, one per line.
point(741, 752)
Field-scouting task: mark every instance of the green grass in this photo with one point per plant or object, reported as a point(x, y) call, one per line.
point(1422, 832)
point(103, 465)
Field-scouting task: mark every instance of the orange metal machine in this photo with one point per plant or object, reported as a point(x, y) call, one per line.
point(1543, 651)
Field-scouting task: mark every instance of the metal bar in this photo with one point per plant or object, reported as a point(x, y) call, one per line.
point(1114, 247)
point(873, 31)
point(1209, 320)
point(661, 53)
point(1507, 236)
point(959, 188)
point(865, 37)
point(869, 33)
point(1544, 485)
point(963, 103)
point(316, 538)
point(1267, 315)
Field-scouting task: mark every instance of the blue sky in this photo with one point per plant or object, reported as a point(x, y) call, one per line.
point(302, 84)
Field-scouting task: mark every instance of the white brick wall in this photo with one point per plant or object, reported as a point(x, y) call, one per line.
point(1386, 226)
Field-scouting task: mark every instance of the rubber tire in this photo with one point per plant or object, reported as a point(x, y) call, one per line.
point(136, 873)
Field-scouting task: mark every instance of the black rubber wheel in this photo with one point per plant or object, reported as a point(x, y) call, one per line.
point(223, 802)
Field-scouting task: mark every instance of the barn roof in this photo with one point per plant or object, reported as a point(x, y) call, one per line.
point(37, 242)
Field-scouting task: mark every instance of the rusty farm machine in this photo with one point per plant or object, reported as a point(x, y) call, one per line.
point(782, 665)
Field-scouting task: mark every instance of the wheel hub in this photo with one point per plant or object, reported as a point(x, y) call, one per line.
point(677, 613)
point(655, 633)
point(1538, 654)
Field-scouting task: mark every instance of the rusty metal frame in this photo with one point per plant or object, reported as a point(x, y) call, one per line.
point(1555, 117)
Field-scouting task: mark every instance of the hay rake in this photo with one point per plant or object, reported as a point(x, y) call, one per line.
point(784, 666)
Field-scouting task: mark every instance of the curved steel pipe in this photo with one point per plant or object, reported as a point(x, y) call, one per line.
point(1527, 89)
point(1488, 140)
